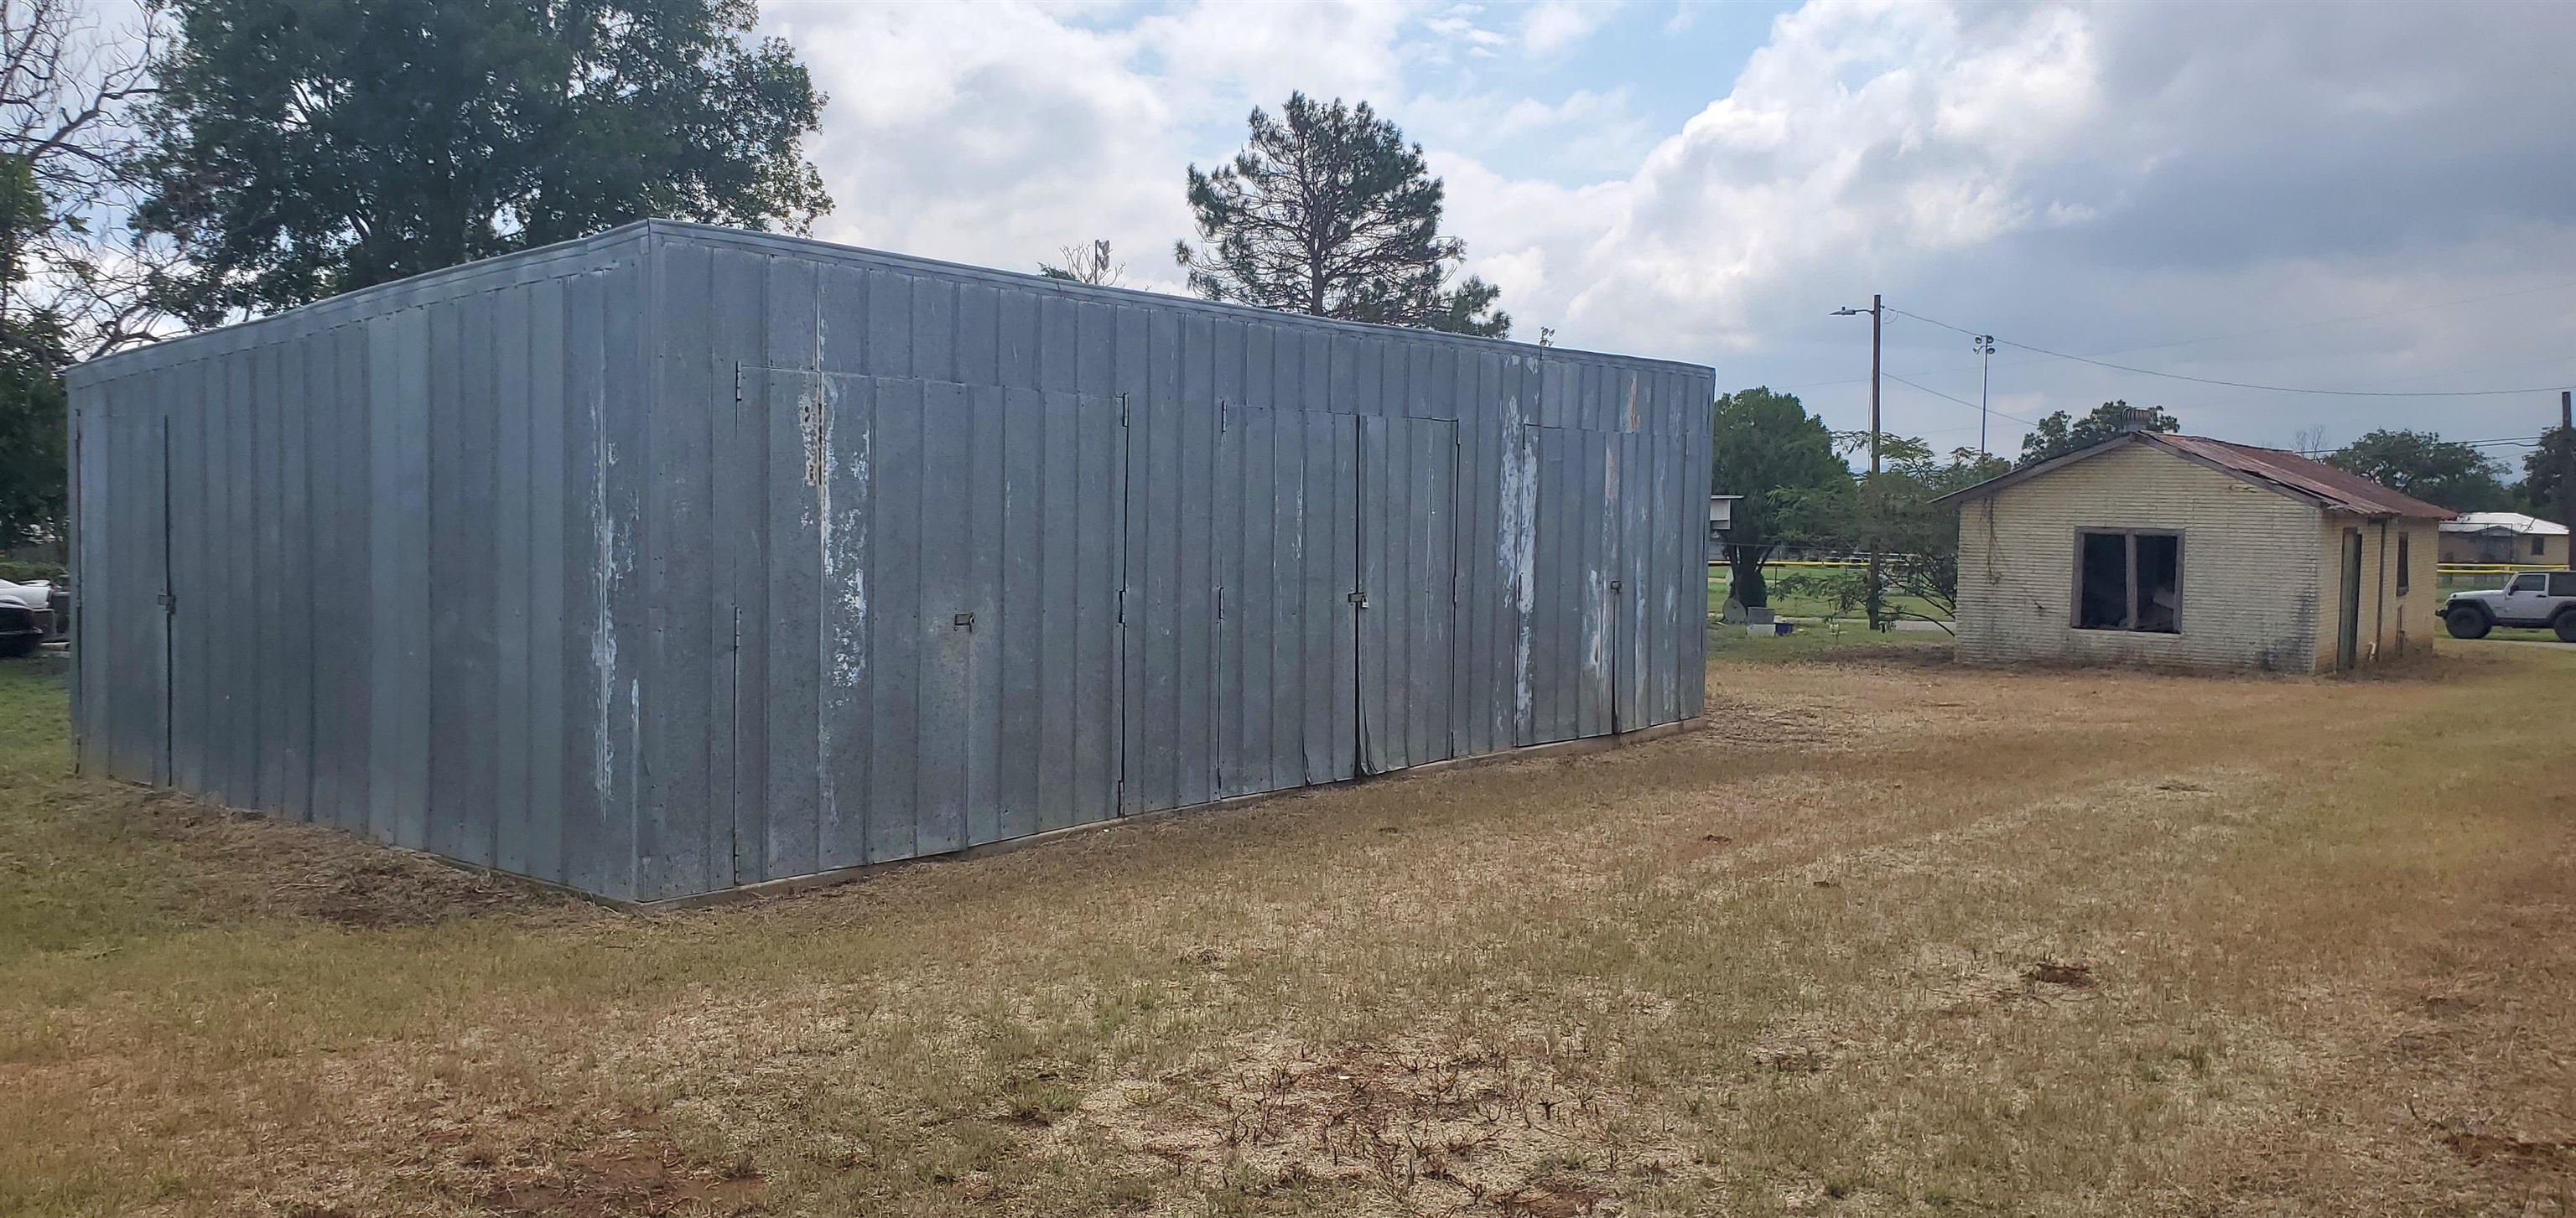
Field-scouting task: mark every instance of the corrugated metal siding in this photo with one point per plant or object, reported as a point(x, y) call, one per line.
point(687, 558)
point(2250, 560)
point(391, 534)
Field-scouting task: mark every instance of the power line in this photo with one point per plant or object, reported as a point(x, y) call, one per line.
point(2309, 325)
point(1962, 401)
point(2204, 380)
point(2184, 342)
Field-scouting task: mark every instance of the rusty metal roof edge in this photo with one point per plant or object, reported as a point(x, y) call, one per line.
point(2379, 500)
point(2318, 498)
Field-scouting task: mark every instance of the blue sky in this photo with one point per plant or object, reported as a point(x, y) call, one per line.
point(2361, 197)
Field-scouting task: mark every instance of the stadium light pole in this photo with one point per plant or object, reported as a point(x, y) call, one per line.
point(1984, 346)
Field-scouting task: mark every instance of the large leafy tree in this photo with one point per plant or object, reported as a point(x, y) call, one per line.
point(1917, 538)
point(32, 452)
point(2060, 433)
point(31, 386)
point(2420, 463)
point(70, 78)
point(2543, 471)
point(1767, 448)
point(70, 282)
point(308, 147)
point(1328, 211)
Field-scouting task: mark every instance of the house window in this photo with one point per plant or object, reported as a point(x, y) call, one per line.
point(2128, 581)
point(2536, 547)
point(2404, 567)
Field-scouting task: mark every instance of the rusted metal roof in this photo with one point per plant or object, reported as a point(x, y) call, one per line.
point(2334, 488)
point(2274, 469)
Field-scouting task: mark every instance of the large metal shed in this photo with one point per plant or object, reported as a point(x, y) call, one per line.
point(681, 558)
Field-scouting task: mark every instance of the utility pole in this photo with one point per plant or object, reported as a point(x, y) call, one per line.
point(2567, 470)
point(1877, 586)
point(1984, 346)
point(1877, 315)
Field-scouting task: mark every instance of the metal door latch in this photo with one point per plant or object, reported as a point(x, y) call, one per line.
point(1614, 585)
point(1359, 598)
point(963, 621)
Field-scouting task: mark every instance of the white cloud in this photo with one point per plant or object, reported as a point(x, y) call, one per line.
point(2087, 178)
point(1553, 26)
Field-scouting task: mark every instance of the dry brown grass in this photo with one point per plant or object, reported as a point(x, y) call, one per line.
point(1890, 936)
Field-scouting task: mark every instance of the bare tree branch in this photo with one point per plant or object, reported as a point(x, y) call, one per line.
point(68, 83)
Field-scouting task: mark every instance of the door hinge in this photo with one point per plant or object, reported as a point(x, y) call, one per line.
point(169, 604)
point(1122, 606)
point(1220, 604)
point(1224, 415)
point(737, 382)
point(737, 628)
point(1122, 410)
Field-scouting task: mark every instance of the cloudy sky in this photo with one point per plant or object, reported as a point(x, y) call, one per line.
point(2369, 197)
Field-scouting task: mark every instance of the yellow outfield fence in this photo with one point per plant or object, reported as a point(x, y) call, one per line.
point(2448, 568)
point(1853, 563)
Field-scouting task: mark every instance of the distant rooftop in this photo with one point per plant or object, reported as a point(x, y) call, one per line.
point(2508, 522)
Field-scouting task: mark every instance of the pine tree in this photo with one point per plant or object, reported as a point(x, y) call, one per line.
point(1328, 211)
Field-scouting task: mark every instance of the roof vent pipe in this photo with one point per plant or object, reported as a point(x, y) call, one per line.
point(2137, 418)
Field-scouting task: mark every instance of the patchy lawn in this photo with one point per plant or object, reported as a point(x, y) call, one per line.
point(1889, 936)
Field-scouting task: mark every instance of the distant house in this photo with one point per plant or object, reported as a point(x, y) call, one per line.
point(2504, 537)
point(2166, 549)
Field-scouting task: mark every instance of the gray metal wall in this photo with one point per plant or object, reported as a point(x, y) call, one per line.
point(683, 558)
point(393, 527)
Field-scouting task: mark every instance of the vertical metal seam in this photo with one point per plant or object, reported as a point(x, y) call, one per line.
point(1126, 518)
point(1359, 595)
point(162, 773)
point(1449, 705)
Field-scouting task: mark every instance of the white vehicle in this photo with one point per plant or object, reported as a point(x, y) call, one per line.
point(26, 616)
point(2544, 599)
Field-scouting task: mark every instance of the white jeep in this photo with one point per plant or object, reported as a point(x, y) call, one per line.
point(2545, 599)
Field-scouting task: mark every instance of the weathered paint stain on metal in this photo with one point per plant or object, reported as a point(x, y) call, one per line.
point(677, 559)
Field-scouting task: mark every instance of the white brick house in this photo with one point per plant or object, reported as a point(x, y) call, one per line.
point(2180, 550)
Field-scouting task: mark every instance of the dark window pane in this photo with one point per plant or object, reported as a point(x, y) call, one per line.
point(2159, 583)
point(2102, 582)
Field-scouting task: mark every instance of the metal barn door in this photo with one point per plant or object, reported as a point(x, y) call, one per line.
point(1652, 533)
point(1284, 654)
point(1575, 584)
point(925, 586)
point(1408, 590)
point(124, 608)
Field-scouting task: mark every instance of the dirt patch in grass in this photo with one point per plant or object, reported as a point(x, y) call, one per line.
point(237, 864)
point(1424, 1125)
point(631, 1175)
